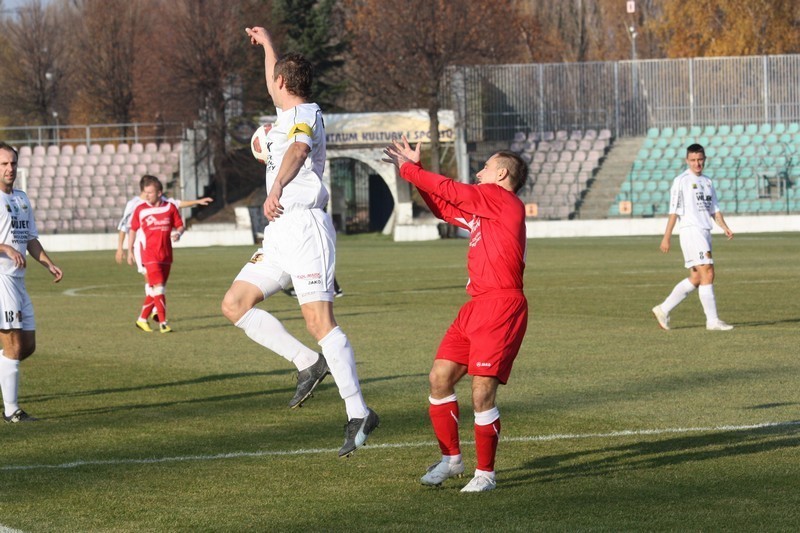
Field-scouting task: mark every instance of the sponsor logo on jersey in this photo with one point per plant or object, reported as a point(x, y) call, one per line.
point(257, 258)
point(483, 364)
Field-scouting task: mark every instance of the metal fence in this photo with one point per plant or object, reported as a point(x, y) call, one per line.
point(626, 97)
point(135, 132)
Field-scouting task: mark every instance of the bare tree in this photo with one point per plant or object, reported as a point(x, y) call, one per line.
point(35, 65)
point(400, 60)
point(111, 35)
point(203, 50)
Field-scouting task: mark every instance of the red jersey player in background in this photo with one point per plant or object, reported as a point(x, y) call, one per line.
point(485, 337)
point(161, 224)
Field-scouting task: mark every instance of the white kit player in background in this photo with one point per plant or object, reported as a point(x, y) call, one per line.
point(18, 235)
point(124, 227)
point(693, 202)
point(299, 245)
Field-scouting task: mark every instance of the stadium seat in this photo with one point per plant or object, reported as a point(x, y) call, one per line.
point(765, 129)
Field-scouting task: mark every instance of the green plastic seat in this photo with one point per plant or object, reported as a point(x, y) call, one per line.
point(724, 129)
point(737, 129)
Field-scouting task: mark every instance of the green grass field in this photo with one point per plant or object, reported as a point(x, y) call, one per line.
point(609, 423)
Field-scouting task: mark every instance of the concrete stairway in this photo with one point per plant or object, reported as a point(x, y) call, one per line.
point(607, 181)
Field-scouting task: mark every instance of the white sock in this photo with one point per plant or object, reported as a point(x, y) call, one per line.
point(9, 383)
point(148, 290)
point(342, 362)
point(268, 331)
point(485, 418)
point(678, 294)
point(709, 302)
point(452, 459)
point(484, 473)
point(355, 406)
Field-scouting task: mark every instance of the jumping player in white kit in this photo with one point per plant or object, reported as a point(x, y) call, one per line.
point(299, 247)
point(693, 202)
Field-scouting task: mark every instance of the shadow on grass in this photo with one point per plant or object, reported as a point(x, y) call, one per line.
point(155, 386)
point(646, 455)
point(753, 324)
point(284, 391)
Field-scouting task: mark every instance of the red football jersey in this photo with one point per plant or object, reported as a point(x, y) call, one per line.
point(157, 222)
point(495, 218)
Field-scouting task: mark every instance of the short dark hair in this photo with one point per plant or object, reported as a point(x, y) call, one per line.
point(6, 146)
point(297, 74)
point(516, 166)
point(147, 179)
point(695, 149)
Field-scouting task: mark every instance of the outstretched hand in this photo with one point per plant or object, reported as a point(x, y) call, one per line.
point(258, 35)
point(398, 153)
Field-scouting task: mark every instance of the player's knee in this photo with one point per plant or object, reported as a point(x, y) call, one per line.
point(441, 385)
point(232, 307)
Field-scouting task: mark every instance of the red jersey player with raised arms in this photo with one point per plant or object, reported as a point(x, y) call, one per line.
point(161, 224)
point(485, 337)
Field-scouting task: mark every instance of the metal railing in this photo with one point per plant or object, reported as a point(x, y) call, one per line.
point(626, 97)
point(135, 132)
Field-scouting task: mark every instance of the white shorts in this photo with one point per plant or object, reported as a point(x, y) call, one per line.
point(696, 247)
point(16, 309)
point(300, 247)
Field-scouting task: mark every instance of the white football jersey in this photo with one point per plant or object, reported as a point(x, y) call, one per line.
point(302, 123)
point(17, 227)
point(694, 200)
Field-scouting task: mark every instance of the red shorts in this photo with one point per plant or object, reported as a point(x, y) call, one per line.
point(157, 273)
point(487, 334)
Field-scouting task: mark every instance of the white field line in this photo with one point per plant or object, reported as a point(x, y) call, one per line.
point(314, 451)
point(4, 529)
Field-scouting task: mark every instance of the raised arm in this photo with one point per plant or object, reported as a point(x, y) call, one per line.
point(200, 201)
point(260, 36)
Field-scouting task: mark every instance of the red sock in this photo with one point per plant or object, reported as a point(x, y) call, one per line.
point(444, 419)
point(161, 307)
point(486, 438)
point(147, 307)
